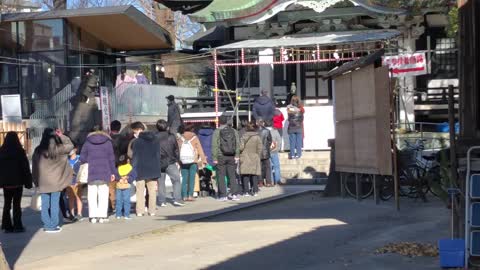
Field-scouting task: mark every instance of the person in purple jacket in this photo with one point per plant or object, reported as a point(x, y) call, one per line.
point(97, 152)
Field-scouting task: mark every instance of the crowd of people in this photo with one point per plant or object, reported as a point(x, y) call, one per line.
point(115, 167)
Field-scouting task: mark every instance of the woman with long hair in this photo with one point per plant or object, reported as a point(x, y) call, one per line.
point(295, 127)
point(51, 174)
point(14, 175)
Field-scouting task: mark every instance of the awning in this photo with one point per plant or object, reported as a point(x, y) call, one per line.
point(121, 27)
point(213, 37)
point(356, 64)
point(302, 40)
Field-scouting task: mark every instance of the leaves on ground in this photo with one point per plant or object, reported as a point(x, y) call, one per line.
point(409, 249)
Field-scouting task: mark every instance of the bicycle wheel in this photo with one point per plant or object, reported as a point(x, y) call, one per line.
point(434, 178)
point(412, 182)
point(387, 188)
point(366, 181)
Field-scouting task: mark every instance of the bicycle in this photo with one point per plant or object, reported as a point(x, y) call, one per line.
point(385, 186)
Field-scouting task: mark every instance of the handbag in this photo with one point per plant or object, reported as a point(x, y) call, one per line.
point(36, 202)
point(82, 175)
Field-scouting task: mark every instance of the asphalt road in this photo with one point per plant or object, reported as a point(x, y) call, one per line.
point(302, 232)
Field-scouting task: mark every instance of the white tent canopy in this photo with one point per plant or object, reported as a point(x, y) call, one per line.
point(301, 40)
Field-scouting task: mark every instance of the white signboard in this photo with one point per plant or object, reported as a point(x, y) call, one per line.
point(412, 64)
point(105, 107)
point(11, 108)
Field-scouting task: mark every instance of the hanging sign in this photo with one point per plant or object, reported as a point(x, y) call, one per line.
point(412, 64)
point(105, 107)
point(11, 108)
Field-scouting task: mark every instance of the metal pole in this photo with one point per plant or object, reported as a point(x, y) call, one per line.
point(357, 187)
point(216, 85)
point(453, 156)
point(393, 110)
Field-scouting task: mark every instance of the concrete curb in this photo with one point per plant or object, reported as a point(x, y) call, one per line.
point(239, 207)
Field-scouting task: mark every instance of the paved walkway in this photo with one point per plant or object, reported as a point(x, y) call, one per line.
point(305, 232)
point(35, 245)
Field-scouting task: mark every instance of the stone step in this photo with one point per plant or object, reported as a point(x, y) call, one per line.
point(303, 175)
point(302, 168)
point(310, 162)
point(309, 154)
point(311, 181)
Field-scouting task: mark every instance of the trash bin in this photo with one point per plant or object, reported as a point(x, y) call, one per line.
point(452, 252)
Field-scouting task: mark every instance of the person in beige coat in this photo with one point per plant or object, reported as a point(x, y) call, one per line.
point(51, 173)
point(192, 158)
point(250, 165)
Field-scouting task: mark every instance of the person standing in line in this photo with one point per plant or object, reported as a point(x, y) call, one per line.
point(295, 128)
point(74, 191)
point(278, 119)
point(51, 173)
point(251, 148)
point(205, 134)
point(263, 107)
point(226, 154)
point(274, 153)
point(169, 165)
point(14, 175)
point(120, 146)
point(97, 152)
point(192, 158)
point(265, 155)
point(146, 161)
point(127, 175)
point(174, 118)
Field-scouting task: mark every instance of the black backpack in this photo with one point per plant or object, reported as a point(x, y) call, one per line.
point(228, 142)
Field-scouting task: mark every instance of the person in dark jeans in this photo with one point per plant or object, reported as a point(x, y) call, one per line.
point(14, 175)
point(266, 137)
point(225, 155)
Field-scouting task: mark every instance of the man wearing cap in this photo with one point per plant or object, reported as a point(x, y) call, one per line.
point(174, 119)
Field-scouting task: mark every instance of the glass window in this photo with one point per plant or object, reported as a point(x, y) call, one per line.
point(8, 67)
point(45, 78)
point(42, 35)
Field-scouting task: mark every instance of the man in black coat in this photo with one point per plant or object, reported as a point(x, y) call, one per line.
point(266, 137)
point(146, 161)
point(174, 118)
point(263, 108)
point(170, 158)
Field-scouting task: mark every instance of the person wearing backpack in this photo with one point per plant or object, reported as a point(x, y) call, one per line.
point(226, 154)
point(192, 157)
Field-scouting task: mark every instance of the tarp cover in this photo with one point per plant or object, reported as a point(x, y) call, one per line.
point(309, 39)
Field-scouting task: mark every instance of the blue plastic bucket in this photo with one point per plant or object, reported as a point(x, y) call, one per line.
point(452, 252)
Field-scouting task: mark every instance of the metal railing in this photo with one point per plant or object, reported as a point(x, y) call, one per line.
point(130, 101)
point(435, 135)
point(53, 113)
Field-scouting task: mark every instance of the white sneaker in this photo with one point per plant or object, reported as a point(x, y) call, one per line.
point(255, 194)
point(246, 195)
point(163, 204)
point(103, 220)
point(127, 218)
point(152, 214)
point(93, 220)
point(175, 203)
point(234, 198)
point(139, 215)
point(118, 217)
point(195, 194)
point(222, 199)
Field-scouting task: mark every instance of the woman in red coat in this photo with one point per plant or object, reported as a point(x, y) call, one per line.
point(278, 119)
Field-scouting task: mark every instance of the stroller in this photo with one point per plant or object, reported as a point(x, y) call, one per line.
point(206, 181)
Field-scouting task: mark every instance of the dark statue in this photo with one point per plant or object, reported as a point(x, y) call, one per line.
point(85, 113)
